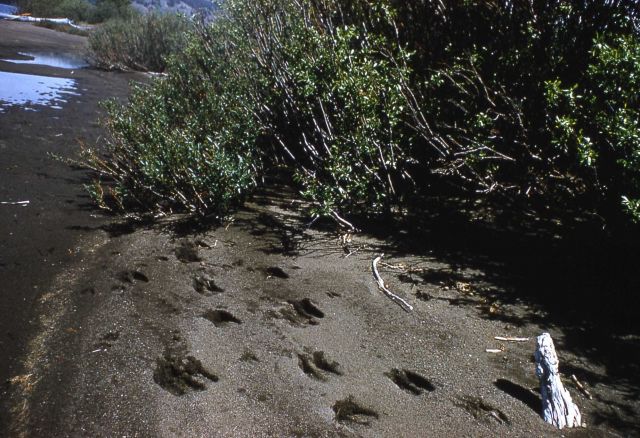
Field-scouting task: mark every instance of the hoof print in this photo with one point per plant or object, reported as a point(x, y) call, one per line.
point(306, 308)
point(220, 317)
point(481, 410)
point(410, 381)
point(304, 362)
point(132, 276)
point(321, 361)
point(180, 374)
point(205, 286)
point(106, 341)
point(348, 410)
point(249, 356)
point(274, 271)
point(312, 365)
point(188, 253)
point(303, 312)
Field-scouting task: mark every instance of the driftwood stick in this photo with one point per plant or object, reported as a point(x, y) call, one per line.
point(581, 387)
point(395, 298)
point(510, 339)
point(557, 407)
point(23, 203)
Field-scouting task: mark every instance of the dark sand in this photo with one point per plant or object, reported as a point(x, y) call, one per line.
point(260, 326)
point(39, 241)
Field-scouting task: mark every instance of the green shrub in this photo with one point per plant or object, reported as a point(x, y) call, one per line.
point(504, 99)
point(76, 10)
point(369, 103)
point(184, 142)
point(138, 42)
point(336, 106)
point(106, 10)
point(598, 120)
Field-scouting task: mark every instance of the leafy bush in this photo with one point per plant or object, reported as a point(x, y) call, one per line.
point(598, 118)
point(138, 42)
point(336, 108)
point(367, 103)
point(499, 98)
point(76, 10)
point(185, 141)
point(106, 10)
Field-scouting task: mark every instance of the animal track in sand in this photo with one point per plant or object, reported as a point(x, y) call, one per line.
point(178, 374)
point(132, 276)
point(410, 381)
point(220, 317)
point(481, 410)
point(311, 365)
point(348, 410)
point(106, 341)
point(274, 271)
point(305, 307)
point(303, 312)
point(249, 356)
point(206, 286)
point(188, 253)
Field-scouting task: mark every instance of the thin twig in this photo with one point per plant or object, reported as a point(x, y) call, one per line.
point(350, 253)
point(395, 298)
point(511, 339)
point(581, 387)
point(23, 203)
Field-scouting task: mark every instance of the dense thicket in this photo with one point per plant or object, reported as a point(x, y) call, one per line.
point(368, 103)
point(138, 41)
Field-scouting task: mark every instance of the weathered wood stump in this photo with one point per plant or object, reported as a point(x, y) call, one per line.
point(557, 407)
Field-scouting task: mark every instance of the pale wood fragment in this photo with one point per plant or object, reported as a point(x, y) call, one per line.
point(395, 298)
point(510, 339)
point(557, 407)
point(581, 387)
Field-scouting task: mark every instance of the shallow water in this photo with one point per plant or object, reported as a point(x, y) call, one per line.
point(7, 9)
point(31, 91)
point(60, 60)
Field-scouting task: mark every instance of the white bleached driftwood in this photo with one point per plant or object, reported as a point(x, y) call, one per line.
point(510, 339)
point(557, 407)
point(23, 203)
point(395, 298)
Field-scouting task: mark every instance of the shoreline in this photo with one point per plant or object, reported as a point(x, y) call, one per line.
point(39, 240)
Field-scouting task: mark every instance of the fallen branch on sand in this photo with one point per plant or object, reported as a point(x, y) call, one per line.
point(395, 298)
point(581, 387)
point(23, 203)
point(511, 339)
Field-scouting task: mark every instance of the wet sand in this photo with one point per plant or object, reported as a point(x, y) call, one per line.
point(259, 326)
point(40, 240)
